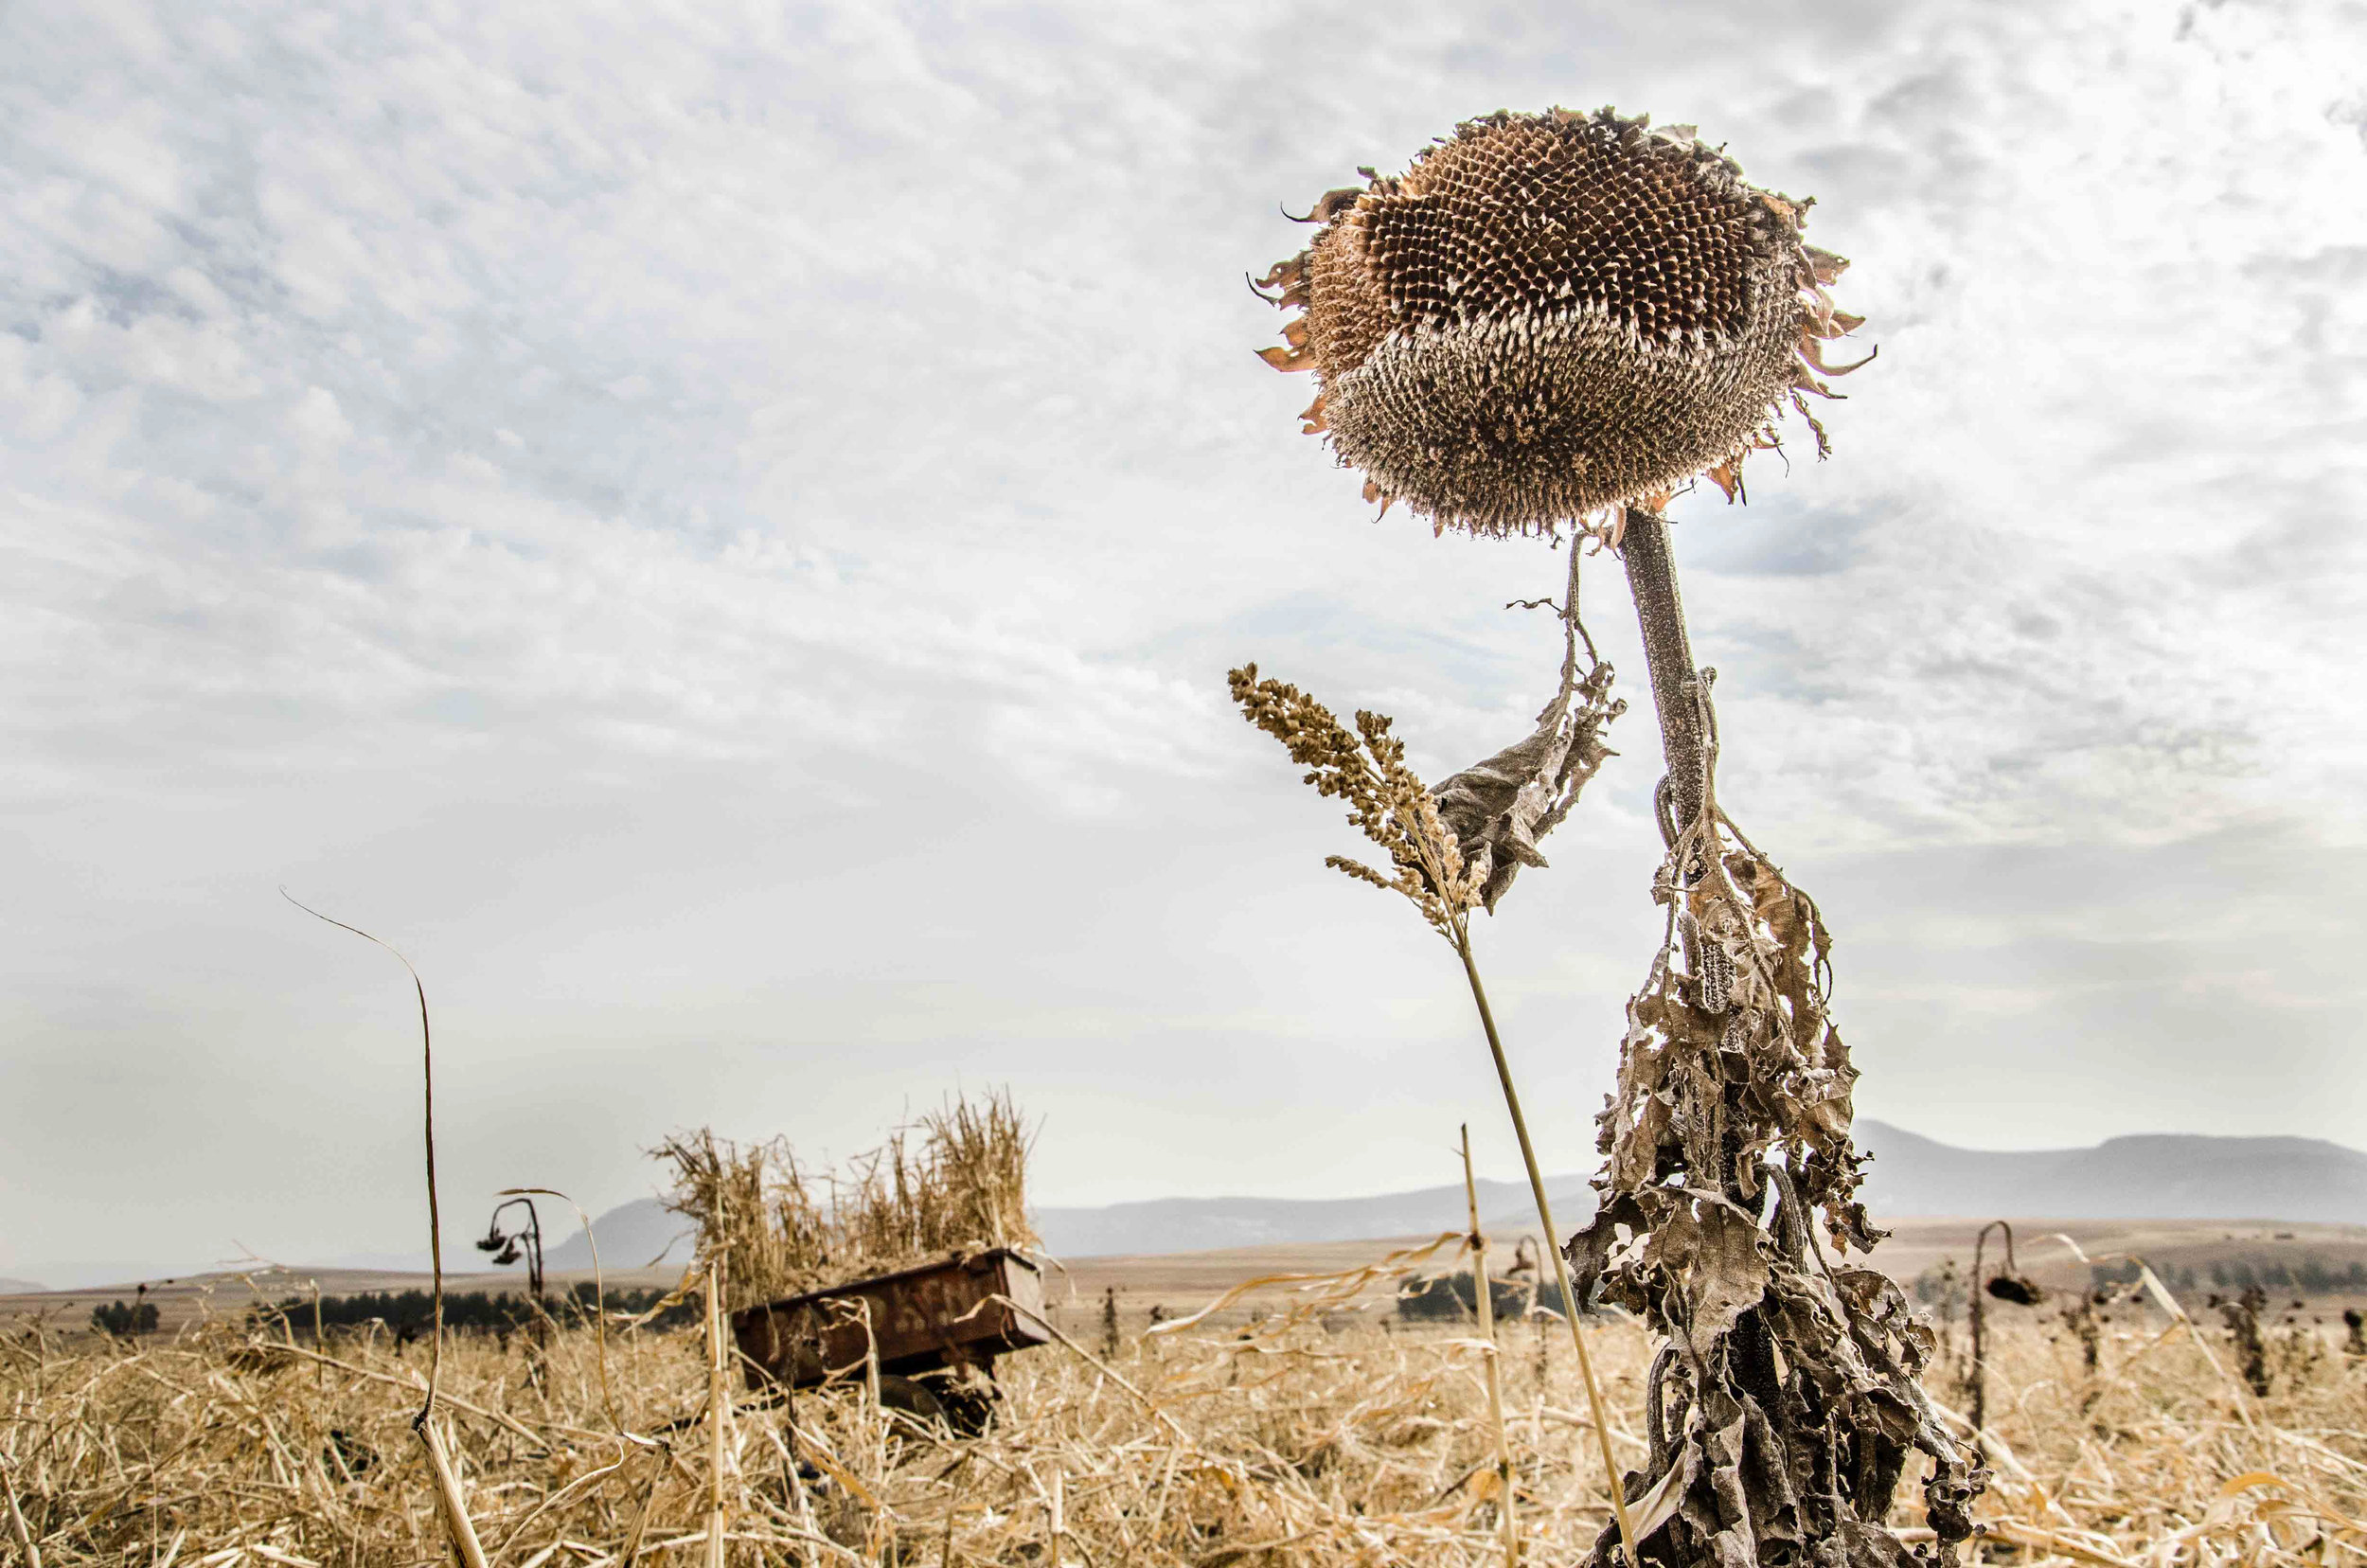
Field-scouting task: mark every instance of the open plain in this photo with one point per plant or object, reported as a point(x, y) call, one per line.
point(1271, 1436)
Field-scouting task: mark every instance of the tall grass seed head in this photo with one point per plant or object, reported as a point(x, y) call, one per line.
point(1387, 802)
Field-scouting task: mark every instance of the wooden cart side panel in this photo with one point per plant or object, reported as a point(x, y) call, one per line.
point(938, 1315)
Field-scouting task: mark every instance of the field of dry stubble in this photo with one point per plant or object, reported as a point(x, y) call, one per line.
point(1349, 1439)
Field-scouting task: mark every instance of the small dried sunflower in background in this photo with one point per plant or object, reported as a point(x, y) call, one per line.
point(1551, 316)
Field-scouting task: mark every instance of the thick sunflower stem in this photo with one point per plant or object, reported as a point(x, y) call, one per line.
point(1684, 740)
point(1669, 658)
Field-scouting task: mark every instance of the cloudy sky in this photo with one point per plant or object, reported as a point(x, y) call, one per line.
point(720, 529)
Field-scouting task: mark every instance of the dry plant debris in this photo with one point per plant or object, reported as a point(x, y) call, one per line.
point(1297, 1445)
point(1550, 315)
point(780, 1227)
point(1786, 1402)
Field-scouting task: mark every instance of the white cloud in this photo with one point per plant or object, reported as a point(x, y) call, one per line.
point(626, 479)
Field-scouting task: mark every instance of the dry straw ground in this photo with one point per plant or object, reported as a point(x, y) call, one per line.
point(1310, 1442)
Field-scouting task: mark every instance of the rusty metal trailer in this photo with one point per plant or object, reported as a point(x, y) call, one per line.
point(925, 1324)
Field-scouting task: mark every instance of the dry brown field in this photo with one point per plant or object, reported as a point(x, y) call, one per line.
point(1342, 1438)
point(1180, 1282)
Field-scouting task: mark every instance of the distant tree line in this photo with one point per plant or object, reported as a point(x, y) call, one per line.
point(2128, 1271)
point(408, 1313)
point(124, 1320)
point(2310, 1276)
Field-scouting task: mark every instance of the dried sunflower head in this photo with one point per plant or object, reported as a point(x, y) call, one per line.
point(2018, 1289)
point(1549, 315)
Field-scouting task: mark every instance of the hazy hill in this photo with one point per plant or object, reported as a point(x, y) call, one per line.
point(2162, 1176)
point(2155, 1176)
point(633, 1235)
point(2152, 1176)
point(1204, 1224)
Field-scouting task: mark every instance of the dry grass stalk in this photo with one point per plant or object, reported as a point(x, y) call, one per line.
point(660, 1460)
point(1484, 1304)
point(1446, 865)
point(451, 1504)
point(780, 1227)
point(18, 1530)
point(1571, 1294)
point(718, 1415)
point(599, 1292)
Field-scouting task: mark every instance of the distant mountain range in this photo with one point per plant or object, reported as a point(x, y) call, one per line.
point(1205, 1224)
point(2158, 1176)
point(2151, 1176)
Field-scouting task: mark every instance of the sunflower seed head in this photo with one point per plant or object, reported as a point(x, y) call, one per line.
point(1547, 315)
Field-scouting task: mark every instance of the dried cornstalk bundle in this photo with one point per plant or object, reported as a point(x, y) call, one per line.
point(1785, 1403)
point(779, 1228)
point(1547, 315)
point(754, 1211)
point(975, 1156)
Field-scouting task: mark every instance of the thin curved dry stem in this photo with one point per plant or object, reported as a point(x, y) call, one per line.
point(427, 1081)
point(599, 1299)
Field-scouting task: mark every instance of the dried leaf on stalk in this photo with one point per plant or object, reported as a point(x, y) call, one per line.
point(1710, 1252)
point(1499, 808)
point(1799, 1378)
point(1458, 847)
